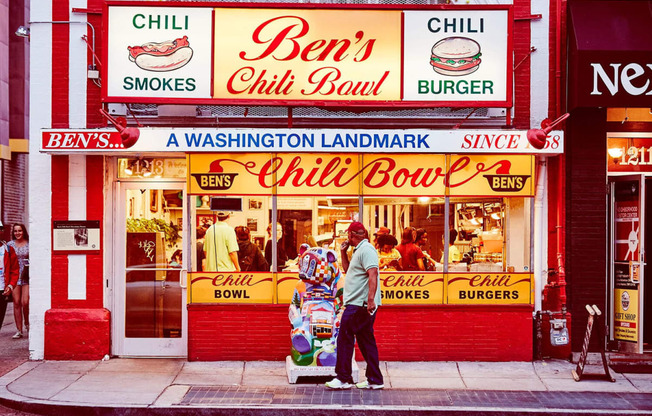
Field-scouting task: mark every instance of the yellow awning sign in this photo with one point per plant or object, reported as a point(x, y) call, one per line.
point(231, 287)
point(285, 285)
point(230, 173)
point(491, 175)
point(489, 288)
point(410, 288)
point(397, 288)
point(404, 175)
point(343, 175)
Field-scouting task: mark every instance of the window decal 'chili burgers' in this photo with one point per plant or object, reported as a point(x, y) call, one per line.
point(161, 56)
point(455, 56)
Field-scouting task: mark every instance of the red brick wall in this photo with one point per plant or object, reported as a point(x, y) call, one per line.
point(95, 211)
point(586, 216)
point(77, 334)
point(404, 333)
point(59, 213)
point(14, 192)
point(522, 73)
point(60, 59)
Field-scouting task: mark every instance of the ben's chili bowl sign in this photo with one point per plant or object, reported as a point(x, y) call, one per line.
point(298, 140)
point(294, 54)
point(231, 287)
point(489, 288)
point(312, 174)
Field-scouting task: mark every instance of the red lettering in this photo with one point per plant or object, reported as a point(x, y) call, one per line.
point(365, 49)
point(378, 170)
point(323, 77)
point(234, 280)
point(405, 280)
point(287, 36)
point(467, 141)
point(337, 180)
point(502, 167)
point(261, 85)
point(268, 169)
point(513, 141)
point(244, 74)
point(280, 38)
point(487, 281)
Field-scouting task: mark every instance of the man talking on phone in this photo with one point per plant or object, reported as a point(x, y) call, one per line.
point(361, 301)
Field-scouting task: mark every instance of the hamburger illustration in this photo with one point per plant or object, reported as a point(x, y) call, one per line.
point(455, 56)
point(161, 56)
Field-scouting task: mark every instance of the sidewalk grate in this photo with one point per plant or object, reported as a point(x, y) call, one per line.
point(318, 395)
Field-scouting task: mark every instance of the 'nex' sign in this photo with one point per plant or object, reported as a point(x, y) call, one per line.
point(634, 78)
point(616, 81)
point(81, 140)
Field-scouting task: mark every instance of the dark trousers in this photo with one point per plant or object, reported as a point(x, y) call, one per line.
point(4, 300)
point(358, 324)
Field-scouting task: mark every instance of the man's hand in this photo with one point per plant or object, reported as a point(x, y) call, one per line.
point(371, 307)
point(344, 246)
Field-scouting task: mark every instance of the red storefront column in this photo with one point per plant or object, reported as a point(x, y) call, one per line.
point(77, 329)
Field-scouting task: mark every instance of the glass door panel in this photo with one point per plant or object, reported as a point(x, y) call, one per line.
point(151, 293)
point(627, 261)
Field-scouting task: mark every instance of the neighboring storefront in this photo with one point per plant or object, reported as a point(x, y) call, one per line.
point(150, 190)
point(609, 139)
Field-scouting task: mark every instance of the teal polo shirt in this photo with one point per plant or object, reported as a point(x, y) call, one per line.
point(356, 284)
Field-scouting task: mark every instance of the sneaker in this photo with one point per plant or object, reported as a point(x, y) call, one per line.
point(337, 384)
point(18, 335)
point(365, 385)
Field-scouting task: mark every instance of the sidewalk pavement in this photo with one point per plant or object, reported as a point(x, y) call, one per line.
point(122, 386)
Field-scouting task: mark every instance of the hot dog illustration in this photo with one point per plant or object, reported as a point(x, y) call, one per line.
point(161, 56)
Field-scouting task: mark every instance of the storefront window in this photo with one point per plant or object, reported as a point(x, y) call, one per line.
point(316, 221)
point(486, 219)
point(417, 220)
point(491, 234)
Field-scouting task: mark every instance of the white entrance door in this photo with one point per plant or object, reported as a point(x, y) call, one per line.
point(150, 316)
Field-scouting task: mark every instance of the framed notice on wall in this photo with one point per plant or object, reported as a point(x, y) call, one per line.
point(76, 236)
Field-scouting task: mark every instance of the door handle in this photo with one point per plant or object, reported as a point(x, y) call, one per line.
point(183, 280)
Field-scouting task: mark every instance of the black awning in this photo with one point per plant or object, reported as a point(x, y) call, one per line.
point(610, 54)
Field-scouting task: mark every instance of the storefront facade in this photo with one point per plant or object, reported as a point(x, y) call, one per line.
point(146, 191)
point(608, 141)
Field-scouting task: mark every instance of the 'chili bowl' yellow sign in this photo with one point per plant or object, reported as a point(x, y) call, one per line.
point(285, 285)
point(405, 288)
point(231, 287)
point(489, 288)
